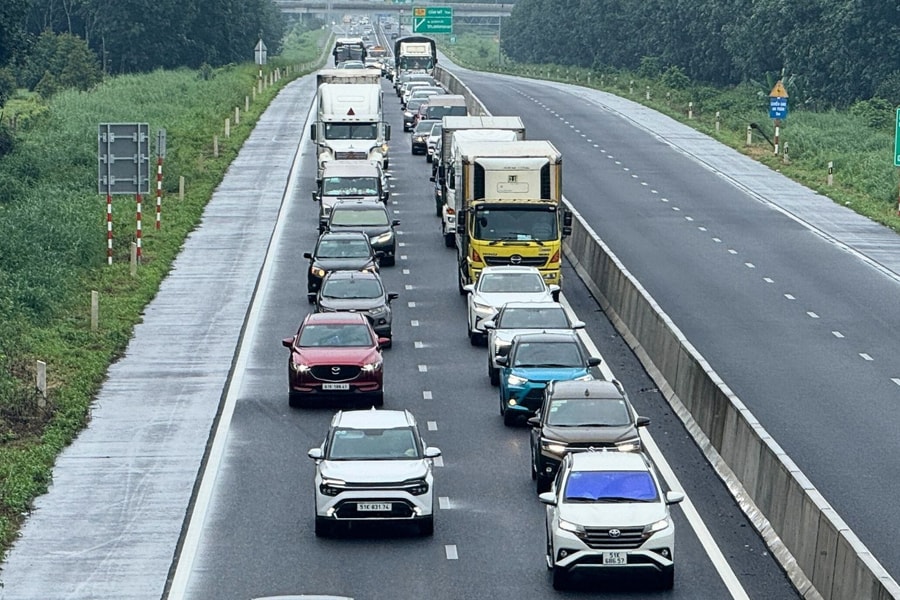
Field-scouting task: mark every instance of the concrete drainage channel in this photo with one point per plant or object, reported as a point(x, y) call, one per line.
point(819, 552)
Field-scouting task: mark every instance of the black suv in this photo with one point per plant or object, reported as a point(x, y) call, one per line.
point(339, 251)
point(577, 416)
point(371, 218)
point(357, 291)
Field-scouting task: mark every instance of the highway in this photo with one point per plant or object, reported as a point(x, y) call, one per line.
point(256, 536)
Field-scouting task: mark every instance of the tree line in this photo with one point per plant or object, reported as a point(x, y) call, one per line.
point(74, 43)
point(838, 52)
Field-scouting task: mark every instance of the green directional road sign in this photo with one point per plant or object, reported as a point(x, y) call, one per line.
point(432, 19)
point(897, 141)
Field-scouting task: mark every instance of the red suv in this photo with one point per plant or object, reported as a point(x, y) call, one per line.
point(335, 354)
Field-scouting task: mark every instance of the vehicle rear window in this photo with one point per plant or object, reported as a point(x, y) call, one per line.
point(340, 335)
point(363, 217)
point(534, 318)
point(346, 289)
point(548, 354)
point(599, 412)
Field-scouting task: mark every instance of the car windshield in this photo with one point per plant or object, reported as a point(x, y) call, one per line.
point(610, 486)
point(329, 248)
point(439, 111)
point(374, 444)
point(336, 334)
point(534, 318)
point(424, 127)
point(519, 224)
point(547, 354)
point(580, 412)
point(511, 282)
point(358, 216)
point(351, 131)
point(414, 104)
point(345, 289)
point(350, 186)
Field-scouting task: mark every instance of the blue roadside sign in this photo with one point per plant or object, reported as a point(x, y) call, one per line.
point(778, 107)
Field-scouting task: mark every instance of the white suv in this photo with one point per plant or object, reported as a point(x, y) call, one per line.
point(606, 510)
point(374, 466)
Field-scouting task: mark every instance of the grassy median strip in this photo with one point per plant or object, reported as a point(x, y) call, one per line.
point(858, 142)
point(53, 241)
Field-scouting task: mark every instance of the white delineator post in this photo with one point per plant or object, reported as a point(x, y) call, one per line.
point(159, 163)
point(109, 236)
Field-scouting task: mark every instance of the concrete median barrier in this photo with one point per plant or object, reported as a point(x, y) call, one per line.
point(819, 552)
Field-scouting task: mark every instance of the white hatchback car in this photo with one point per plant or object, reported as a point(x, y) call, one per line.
point(498, 285)
point(607, 511)
point(374, 466)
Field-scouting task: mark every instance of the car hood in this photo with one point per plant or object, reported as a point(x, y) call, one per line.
point(540, 374)
point(585, 435)
point(351, 304)
point(373, 471)
point(340, 264)
point(508, 334)
point(601, 514)
point(353, 355)
point(498, 299)
point(369, 230)
point(329, 201)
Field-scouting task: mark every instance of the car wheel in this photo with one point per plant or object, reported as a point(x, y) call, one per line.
point(437, 209)
point(449, 240)
point(426, 525)
point(295, 400)
point(427, 156)
point(509, 418)
point(388, 261)
point(559, 578)
point(493, 372)
point(667, 578)
point(378, 398)
point(323, 527)
point(541, 483)
point(474, 338)
point(386, 165)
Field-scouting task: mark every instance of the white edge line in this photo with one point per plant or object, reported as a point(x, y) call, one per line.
point(202, 502)
point(690, 512)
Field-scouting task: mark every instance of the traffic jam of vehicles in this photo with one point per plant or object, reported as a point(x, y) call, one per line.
point(498, 201)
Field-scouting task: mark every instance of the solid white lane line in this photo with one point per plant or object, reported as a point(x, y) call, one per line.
point(690, 512)
point(450, 551)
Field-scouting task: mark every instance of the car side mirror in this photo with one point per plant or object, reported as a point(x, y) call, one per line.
point(534, 421)
point(489, 325)
point(387, 132)
point(287, 342)
point(395, 222)
point(307, 255)
point(432, 452)
point(503, 361)
point(642, 421)
point(386, 196)
point(431, 178)
point(594, 361)
point(674, 497)
point(312, 131)
point(315, 453)
point(393, 296)
point(578, 325)
point(469, 287)
point(315, 196)
point(548, 498)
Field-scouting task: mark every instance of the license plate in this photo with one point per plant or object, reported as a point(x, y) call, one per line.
point(615, 558)
point(335, 386)
point(373, 506)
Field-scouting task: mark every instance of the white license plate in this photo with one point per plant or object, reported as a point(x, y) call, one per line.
point(615, 558)
point(373, 506)
point(335, 386)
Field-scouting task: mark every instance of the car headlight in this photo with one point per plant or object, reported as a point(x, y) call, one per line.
point(569, 526)
point(384, 148)
point(420, 139)
point(370, 268)
point(332, 487)
point(378, 311)
point(658, 526)
point(372, 367)
point(632, 445)
point(383, 238)
point(418, 488)
point(484, 309)
point(299, 368)
point(407, 114)
point(516, 380)
point(587, 377)
point(500, 344)
point(554, 447)
point(317, 271)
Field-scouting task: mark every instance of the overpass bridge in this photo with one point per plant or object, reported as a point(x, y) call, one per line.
point(338, 7)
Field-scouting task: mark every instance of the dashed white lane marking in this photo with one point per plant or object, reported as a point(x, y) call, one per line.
point(407, 287)
point(443, 502)
point(701, 228)
point(595, 145)
point(750, 265)
point(414, 323)
point(402, 244)
point(418, 344)
point(404, 257)
point(676, 209)
point(644, 183)
point(432, 425)
point(406, 271)
point(426, 395)
point(865, 356)
point(394, 202)
point(423, 368)
point(439, 461)
point(732, 251)
point(654, 192)
point(411, 304)
point(450, 551)
point(838, 334)
point(768, 280)
point(790, 297)
point(689, 218)
point(812, 315)
point(717, 240)
point(664, 199)
point(896, 380)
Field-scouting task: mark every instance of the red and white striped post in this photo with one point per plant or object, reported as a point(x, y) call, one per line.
point(137, 232)
point(109, 237)
point(159, 163)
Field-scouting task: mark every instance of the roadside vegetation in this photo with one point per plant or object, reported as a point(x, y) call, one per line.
point(858, 139)
point(53, 239)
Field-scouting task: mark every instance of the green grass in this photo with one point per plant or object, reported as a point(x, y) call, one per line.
point(53, 241)
point(864, 177)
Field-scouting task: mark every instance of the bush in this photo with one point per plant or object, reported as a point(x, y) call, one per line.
point(7, 84)
point(876, 113)
point(675, 78)
point(650, 67)
point(7, 142)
